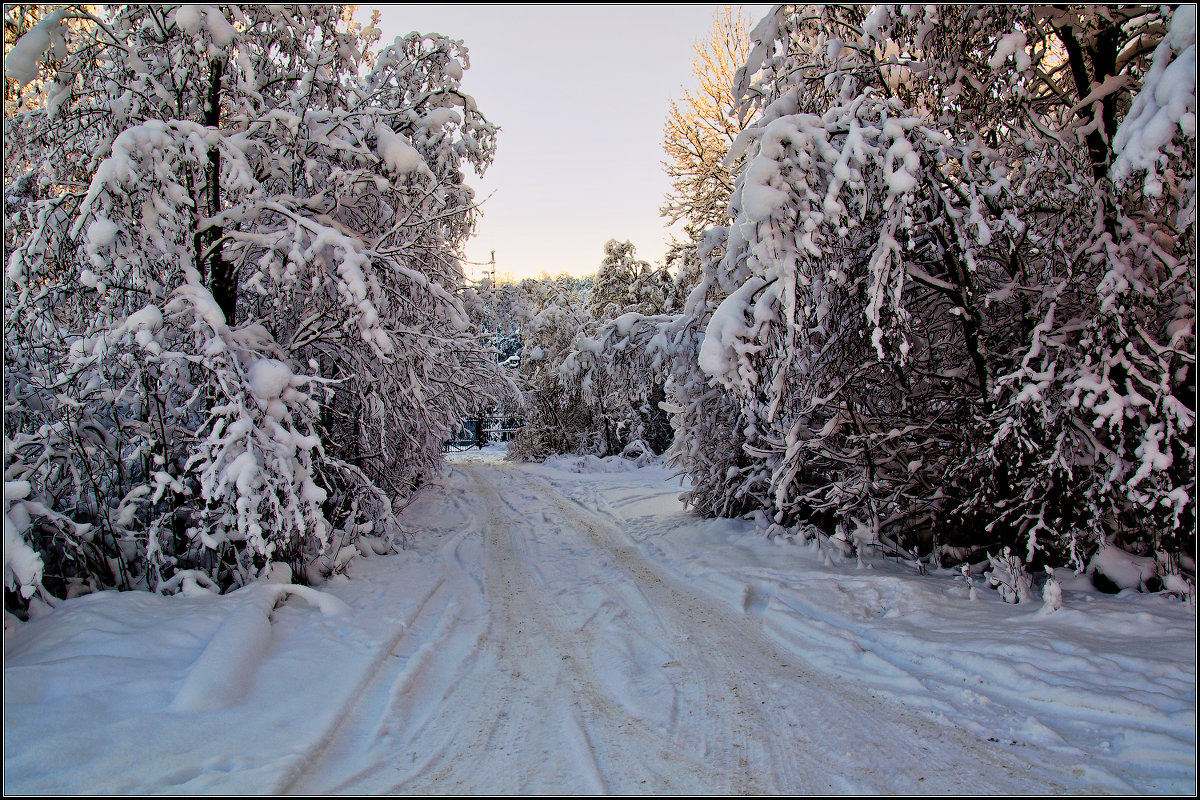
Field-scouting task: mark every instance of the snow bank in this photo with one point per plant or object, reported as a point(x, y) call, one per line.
point(221, 675)
point(1107, 681)
point(1123, 569)
point(592, 464)
point(219, 678)
point(104, 693)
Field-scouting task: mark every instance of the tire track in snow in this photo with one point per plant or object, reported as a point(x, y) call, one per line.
point(403, 662)
point(538, 716)
point(353, 711)
point(580, 668)
point(792, 727)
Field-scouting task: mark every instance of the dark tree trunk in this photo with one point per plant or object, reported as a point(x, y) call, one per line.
point(218, 272)
point(1092, 65)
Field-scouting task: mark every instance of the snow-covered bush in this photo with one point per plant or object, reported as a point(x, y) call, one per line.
point(1009, 577)
point(1114, 569)
point(615, 362)
point(617, 368)
point(714, 432)
point(233, 329)
point(942, 301)
point(968, 581)
point(1051, 593)
point(22, 566)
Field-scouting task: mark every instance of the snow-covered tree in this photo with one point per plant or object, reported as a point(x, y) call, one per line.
point(233, 329)
point(626, 284)
point(611, 372)
point(682, 263)
point(711, 427)
point(556, 420)
point(498, 312)
point(702, 125)
point(956, 298)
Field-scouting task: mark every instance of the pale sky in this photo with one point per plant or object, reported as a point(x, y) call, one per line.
point(581, 93)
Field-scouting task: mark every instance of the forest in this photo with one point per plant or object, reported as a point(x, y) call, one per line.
point(936, 300)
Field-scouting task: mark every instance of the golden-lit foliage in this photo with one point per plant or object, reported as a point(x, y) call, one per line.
point(369, 35)
point(18, 20)
point(701, 126)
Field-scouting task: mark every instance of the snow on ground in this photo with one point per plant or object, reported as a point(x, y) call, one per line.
point(568, 628)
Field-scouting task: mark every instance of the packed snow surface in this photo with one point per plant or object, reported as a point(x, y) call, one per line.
point(569, 628)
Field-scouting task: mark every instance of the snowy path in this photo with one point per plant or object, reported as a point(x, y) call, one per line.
point(573, 663)
point(568, 628)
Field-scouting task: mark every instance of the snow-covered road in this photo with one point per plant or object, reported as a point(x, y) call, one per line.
point(554, 631)
point(558, 658)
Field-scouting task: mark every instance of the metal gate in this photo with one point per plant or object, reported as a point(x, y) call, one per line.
point(479, 432)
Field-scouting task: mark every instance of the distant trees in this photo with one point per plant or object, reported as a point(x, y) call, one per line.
point(497, 309)
point(571, 407)
point(625, 283)
point(556, 421)
point(233, 324)
point(702, 125)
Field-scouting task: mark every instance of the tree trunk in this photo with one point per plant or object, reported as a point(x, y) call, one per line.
point(219, 273)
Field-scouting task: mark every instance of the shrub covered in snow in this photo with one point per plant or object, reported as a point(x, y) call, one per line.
point(1051, 593)
point(553, 313)
point(1009, 577)
point(610, 365)
point(233, 330)
point(1114, 569)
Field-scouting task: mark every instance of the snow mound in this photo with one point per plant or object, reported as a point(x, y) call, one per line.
point(1125, 570)
point(589, 463)
point(220, 676)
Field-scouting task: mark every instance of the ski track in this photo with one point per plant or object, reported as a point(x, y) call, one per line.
point(550, 656)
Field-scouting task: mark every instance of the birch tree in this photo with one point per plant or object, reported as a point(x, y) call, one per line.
point(233, 329)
